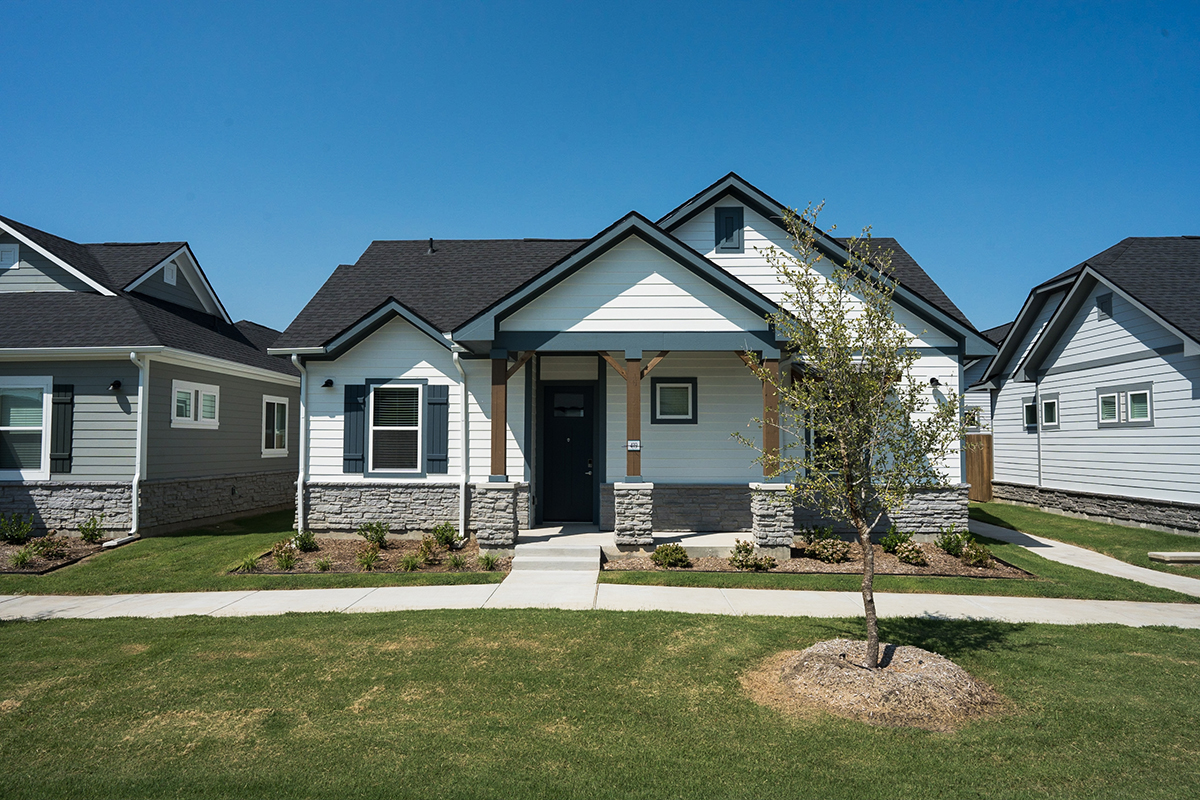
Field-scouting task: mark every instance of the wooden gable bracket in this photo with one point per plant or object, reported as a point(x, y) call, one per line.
point(521, 361)
point(612, 362)
point(654, 362)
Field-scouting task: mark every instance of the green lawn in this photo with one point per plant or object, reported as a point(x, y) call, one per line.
point(517, 704)
point(1051, 580)
point(1119, 541)
point(200, 560)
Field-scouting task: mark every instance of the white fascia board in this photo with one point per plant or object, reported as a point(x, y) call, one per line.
point(145, 276)
point(161, 353)
point(212, 303)
point(71, 353)
point(208, 363)
point(296, 351)
point(55, 259)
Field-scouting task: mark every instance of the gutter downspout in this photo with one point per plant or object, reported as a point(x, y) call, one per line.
point(464, 416)
point(139, 458)
point(302, 475)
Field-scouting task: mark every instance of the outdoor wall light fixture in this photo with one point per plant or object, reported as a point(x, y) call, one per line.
point(934, 382)
point(115, 386)
point(328, 384)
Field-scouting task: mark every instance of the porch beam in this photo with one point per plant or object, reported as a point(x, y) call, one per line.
point(612, 362)
point(654, 362)
point(633, 417)
point(499, 470)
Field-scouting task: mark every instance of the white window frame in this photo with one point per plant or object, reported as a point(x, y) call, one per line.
point(274, 452)
point(1025, 414)
point(691, 400)
point(16, 255)
point(1116, 420)
point(197, 390)
point(46, 384)
point(1129, 406)
point(371, 469)
point(1050, 401)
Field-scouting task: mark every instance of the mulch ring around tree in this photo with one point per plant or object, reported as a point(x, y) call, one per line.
point(912, 687)
point(940, 564)
point(343, 555)
point(63, 552)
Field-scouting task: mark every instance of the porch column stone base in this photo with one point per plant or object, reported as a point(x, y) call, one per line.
point(772, 518)
point(634, 522)
point(928, 511)
point(494, 515)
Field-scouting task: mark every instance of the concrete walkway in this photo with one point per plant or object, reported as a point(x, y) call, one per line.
point(1088, 559)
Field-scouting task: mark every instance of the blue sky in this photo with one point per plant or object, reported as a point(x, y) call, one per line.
point(1000, 143)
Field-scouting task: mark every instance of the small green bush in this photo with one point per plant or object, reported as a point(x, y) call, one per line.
point(430, 551)
point(744, 557)
point(446, 535)
point(831, 551)
point(305, 541)
point(670, 555)
point(50, 547)
point(975, 554)
point(411, 562)
point(894, 539)
point(816, 534)
point(249, 564)
point(285, 553)
point(375, 533)
point(323, 564)
point(15, 529)
point(488, 561)
point(92, 531)
point(952, 542)
point(368, 557)
point(911, 553)
point(456, 562)
point(22, 557)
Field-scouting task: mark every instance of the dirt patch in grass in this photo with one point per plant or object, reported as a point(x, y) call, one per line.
point(343, 557)
point(73, 549)
point(940, 564)
point(912, 687)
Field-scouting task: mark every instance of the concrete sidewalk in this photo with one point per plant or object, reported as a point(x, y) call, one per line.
point(1083, 558)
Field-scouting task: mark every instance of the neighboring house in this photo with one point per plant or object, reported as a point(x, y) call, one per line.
point(125, 390)
point(977, 400)
point(1095, 391)
point(597, 380)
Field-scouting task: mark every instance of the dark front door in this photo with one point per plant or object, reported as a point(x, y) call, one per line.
point(568, 486)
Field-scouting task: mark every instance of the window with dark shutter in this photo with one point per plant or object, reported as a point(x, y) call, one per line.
point(437, 429)
point(354, 420)
point(62, 425)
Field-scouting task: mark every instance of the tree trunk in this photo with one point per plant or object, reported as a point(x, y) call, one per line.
point(868, 593)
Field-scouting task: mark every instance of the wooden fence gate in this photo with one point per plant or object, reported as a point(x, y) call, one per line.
point(979, 466)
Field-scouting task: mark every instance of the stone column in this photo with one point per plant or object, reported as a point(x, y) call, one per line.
point(494, 511)
point(772, 519)
point(927, 511)
point(634, 524)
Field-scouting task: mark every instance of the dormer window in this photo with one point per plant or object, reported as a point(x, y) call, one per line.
point(729, 224)
point(169, 273)
point(10, 255)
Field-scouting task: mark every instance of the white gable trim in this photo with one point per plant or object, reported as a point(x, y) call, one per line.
point(365, 327)
point(193, 273)
point(56, 260)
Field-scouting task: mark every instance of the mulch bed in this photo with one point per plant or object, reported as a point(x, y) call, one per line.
point(912, 687)
point(941, 564)
point(76, 550)
point(344, 553)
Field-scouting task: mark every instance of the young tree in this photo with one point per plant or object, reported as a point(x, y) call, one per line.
point(872, 435)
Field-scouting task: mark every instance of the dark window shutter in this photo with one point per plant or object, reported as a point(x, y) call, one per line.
point(437, 429)
point(729, 225)
point(354, 437)
point(62, 425)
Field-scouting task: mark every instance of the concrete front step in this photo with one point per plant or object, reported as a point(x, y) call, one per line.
point(583, 558)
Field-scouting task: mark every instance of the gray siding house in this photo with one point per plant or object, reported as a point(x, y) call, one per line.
point(1095, 391)
point(126, 390)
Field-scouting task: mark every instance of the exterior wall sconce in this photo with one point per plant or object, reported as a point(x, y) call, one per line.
point(328, 384)
point(934, 382)
point(115, 386)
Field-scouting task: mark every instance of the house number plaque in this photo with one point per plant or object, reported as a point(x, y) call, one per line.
point(634, 445)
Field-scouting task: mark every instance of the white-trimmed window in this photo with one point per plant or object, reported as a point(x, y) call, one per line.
point(395, 414)
point(1050, 413)
point(1109, 409)
point(25, 428)
point(1128, 406)
point(274, 427)
point(195, 405)
point(672, 400)
point(10, 255)
point(1139, 406)
point(1031, 415)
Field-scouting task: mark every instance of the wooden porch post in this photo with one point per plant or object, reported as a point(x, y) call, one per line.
point(771, 419)
point(499, 470)
point(633, 416)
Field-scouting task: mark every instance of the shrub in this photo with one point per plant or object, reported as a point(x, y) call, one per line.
point(952, 541)
point(284, 552)
point(911, 553)
point(15, 529)
point(446, 535)
point(323, 564)
point(456, 561)
point(305, 541)
point(22, 557)
point(375, 533)
point(488, 561)
point(92, 531)
point(831, 551)
point(249, 564)
point(430, 551)
point(410, 563)
point(975, 554)
point(368, 557)
point(49, 547)
point(817, 534)
point(744, 557)
point(670, 555)
point(894, 539)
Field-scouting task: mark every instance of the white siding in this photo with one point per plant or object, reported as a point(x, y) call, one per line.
point(398, 350)
point(752, 267)
point(634, 287)
point(1088, 337)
